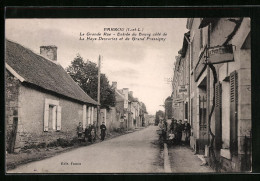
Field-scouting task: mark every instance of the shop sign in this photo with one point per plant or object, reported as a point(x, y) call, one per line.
point(220, 54)
point(183, 89)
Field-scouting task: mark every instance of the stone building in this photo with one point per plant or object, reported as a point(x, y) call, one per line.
point(42, 102)
point(180, 83)
point(218, 72)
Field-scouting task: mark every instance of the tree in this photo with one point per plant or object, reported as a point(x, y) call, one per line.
point(85, 73)
point(168, 107)
point(144, 107)
point(159, 115)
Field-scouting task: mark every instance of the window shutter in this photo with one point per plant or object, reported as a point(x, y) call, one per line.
point(233, 112)
point(58, 118)
point(218, 120)
point(84, 114)
point(46, 117)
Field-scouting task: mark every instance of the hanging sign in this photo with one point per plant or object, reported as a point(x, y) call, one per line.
point(220, 54)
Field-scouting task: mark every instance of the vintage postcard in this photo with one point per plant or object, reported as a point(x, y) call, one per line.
point(128, 95)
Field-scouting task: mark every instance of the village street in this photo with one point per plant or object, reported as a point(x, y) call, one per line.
point(137, 152)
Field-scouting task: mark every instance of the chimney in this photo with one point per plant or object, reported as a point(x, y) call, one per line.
point(114, 85)
point(49, 52)
point(131, 93)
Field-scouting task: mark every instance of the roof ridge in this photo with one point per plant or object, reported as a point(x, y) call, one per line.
point(57, 63)
point(37, 70)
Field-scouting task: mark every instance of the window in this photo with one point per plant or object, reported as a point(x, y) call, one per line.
point(225, 114)
point(52, 115)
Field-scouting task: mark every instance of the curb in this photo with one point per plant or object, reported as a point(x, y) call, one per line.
point(167, 166)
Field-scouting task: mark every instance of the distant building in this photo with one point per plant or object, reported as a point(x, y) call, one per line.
point(42, 103)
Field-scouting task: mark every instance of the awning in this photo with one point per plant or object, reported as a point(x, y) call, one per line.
point(206, 21)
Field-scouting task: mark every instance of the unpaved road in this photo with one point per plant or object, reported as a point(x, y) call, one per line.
point(137, 152)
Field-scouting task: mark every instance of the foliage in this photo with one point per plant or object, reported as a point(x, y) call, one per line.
point(159, 114)
point(168, 107)
point(85, 73)
point(144, 107)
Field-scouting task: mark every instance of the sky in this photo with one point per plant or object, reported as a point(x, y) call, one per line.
point(140, 65)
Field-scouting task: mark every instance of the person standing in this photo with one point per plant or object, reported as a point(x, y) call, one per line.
point(179, 131)
point(162, 127)
point(79, 130)
point(103, 129)
point(87, 132)
point(186, 131)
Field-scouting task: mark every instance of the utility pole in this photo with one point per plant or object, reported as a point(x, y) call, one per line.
point(98, 93)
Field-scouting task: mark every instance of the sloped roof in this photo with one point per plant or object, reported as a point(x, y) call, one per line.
point(39, 71)
point(131, 98)
point(119, 96)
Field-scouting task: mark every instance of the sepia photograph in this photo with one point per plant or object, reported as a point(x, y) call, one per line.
point(128, 95)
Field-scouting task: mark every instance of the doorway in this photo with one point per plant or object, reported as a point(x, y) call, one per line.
point(203, 137)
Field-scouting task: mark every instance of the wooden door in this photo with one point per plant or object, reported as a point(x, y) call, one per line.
point(202, 123)
point(13, 135)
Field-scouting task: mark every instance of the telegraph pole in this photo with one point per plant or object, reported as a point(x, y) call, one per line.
point(98, 93)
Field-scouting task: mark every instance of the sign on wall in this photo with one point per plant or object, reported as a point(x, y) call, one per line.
point(220, 54)
point(182, 89)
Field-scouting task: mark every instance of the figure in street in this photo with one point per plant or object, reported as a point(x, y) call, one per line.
point(79, 130)
point(87, 132)
point(103, 129)
point(179, 131)
point(186, 132)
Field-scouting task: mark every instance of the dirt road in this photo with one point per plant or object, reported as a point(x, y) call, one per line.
point(136, 152)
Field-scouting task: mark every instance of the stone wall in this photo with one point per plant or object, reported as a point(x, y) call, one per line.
point(12, 85)
point(31, 118)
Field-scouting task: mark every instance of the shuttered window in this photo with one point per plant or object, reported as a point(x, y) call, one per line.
point(58, 118)
point(218, 116)
point(52, 115)
point(84, 114)
point(233, 112)
point(46, 117)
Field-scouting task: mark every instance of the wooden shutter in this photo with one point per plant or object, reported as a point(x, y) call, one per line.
point(218, 116)
point(84, 114)
point(46, 117)
point(58, 118)
point(233, 111)
point(54, 117)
